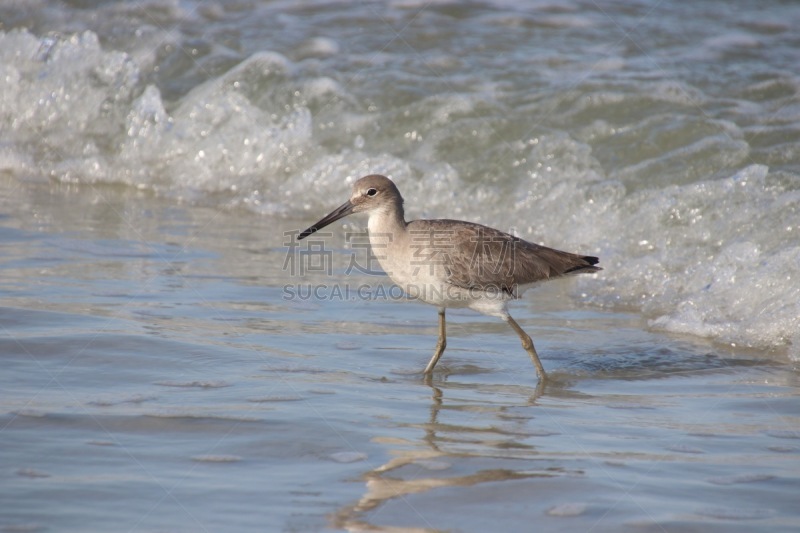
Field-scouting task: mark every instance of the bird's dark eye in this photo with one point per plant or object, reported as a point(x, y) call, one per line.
point(372, 192)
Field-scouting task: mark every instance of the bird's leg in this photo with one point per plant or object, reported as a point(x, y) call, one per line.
point(440, 345)
point(527, 343)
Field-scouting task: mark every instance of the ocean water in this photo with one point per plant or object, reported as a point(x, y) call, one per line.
point(171, 361)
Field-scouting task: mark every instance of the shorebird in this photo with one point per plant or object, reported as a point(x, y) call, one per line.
point(451, 263)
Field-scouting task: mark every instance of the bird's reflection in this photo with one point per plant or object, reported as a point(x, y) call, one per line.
point(417, 467)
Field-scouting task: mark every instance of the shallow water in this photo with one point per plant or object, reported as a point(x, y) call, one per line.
point(155, 379)
point(165, 369)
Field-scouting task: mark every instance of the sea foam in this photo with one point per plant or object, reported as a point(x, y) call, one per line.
point(690, 230)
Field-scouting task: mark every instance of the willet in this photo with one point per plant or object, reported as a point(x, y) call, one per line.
point(451, 263)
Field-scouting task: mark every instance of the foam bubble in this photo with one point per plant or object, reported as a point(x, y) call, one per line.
point(741, 288)
point(88, 118)
point(319, 47)
point(64, 90)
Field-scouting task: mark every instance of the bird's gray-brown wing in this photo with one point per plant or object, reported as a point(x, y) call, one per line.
point(474, 256)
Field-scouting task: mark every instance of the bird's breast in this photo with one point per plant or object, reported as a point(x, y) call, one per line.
point(407, 263)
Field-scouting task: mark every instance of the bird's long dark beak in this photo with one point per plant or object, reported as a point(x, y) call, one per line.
point(340, 212)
